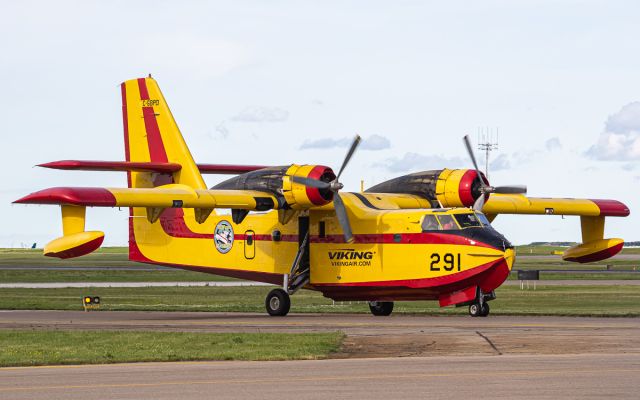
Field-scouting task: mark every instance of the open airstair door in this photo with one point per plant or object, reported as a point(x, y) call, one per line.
point(301, 269)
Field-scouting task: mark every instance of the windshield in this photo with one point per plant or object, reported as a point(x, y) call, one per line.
point(483, 219)
point(467, 220)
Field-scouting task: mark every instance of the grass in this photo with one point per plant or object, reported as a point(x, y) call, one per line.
point(103, 257)
point(45, 276)
point(546, 300)
point(47, 347)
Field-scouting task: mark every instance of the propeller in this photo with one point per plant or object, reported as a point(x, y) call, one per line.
point(335, 186)
point(485, 188)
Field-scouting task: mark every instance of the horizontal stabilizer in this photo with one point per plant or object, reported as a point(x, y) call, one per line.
point(80, 165)
point(159, 167)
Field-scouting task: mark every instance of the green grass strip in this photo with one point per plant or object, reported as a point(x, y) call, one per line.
point(28, 348)
point(609, 300)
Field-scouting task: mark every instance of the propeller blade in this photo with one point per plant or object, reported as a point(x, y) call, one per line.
point(341, 213)
point(467, 143)
point(479, 203)
point(352, 149)
point(510, 189)
point(309, 182)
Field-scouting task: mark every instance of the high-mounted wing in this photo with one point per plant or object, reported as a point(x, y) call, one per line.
point(592, 213)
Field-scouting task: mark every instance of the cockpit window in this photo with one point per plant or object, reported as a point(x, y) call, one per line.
point(430, 223)
point(483, 219)
point(447, 222)
point(467, 220)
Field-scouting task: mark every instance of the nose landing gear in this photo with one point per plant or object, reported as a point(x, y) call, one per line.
point(480, 307)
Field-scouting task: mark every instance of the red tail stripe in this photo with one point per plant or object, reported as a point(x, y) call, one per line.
point(142, 85)
point(154, 138)
point(125, 125)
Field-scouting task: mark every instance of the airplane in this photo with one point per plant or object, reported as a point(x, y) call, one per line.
point(422, 236)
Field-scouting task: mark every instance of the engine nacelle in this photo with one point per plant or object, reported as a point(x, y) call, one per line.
point(459, 187)
point(277, 181)
point(446, 187)
point(299, 196)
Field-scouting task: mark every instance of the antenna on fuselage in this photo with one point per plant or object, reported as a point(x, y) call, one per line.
point(487, 143)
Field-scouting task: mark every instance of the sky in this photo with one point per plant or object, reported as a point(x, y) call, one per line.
point(280, 82)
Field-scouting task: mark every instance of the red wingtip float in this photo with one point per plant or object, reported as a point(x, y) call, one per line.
point(423, 236)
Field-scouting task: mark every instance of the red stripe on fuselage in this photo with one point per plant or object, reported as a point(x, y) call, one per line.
point(405, 238)
point(173, 224)
point(484, 276)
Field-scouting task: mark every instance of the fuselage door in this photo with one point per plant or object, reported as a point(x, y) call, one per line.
point(249, 245)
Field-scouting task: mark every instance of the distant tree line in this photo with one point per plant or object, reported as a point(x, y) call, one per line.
point(626, 244)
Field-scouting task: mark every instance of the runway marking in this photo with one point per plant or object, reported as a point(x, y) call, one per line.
point(317, 379)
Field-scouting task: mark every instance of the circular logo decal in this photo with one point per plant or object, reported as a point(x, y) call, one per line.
point(223, 237)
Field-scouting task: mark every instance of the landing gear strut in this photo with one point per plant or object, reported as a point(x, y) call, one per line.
point(480, 307)
point(381, 308)
point(278, 303)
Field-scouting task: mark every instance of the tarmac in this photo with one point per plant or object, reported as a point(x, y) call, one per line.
point(382, 358)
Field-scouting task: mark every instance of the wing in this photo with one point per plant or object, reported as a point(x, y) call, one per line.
point(592, 214)
point(520, 204)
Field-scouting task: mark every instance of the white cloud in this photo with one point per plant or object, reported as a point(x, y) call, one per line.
point(373, 142)
point(325, 143)
point(500, 163)
point(418, 162)
point(221, 131)
point(553, 144)
point(620, 140)
point(262, 114)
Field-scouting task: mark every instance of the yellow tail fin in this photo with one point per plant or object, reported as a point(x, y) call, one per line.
point(152, 135)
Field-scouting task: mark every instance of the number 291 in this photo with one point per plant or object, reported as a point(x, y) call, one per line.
point(447, 262)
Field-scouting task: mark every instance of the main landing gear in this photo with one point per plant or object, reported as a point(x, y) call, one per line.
point(381, 308)
point(480, 307)
point(278, 303)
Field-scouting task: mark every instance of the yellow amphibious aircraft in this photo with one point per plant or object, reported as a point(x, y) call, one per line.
point(424, 236)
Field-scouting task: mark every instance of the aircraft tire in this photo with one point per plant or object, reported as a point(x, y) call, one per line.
point(381, 308)
point(475, 310)
point(485, 310)
point(278, 303)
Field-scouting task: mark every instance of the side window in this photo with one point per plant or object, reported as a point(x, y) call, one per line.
point(430, 223)
point(447, 222)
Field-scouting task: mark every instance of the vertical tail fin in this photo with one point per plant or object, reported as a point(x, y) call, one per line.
point(151, 134)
